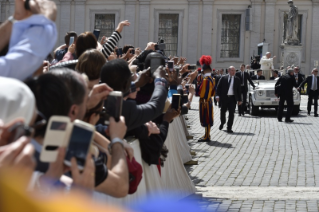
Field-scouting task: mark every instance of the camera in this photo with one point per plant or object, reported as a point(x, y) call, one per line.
point(76, 136)
point(96, 33)
point(192, 67)
point(112, 107)
point(132, 51)
point(119, 52)
point(184, 100)
point(170, 65)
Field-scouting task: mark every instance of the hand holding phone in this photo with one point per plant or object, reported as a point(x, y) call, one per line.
point(117, 129)
point(170, 65)
point(71, 41)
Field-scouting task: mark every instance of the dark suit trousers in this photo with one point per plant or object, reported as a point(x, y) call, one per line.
point(313, 95)
point(242, 107)
point(230, 106)
point(290, 104)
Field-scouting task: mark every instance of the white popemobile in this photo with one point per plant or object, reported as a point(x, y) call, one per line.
point(264, 97)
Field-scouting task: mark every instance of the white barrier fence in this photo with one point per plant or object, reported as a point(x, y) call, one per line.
point(173, 176)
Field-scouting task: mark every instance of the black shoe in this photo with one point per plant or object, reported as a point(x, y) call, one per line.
point(230, 131)
point(221, 127)
point(316, 115)
point(279, 120)
point(308, 113)
point(239, 114)
point(289, 121)
point(243, 113)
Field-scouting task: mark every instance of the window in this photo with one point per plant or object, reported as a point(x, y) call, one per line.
point(230, 37)
point(168, 31)
point(105, 23)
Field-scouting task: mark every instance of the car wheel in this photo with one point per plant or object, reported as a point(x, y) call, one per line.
point(253, 110)
point(295, 110)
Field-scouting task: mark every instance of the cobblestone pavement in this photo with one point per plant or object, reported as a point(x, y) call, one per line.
point(260, 153)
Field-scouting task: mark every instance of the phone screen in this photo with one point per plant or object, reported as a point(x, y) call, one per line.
point(170, 65)
point(79, 145)
point(96, 33)
point(71, 41)
point(119, 52)
point(113, 108)
point(155, 63)
point(133, 51)
point(176, 101)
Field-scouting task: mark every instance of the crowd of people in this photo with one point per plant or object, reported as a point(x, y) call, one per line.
point(90, 90)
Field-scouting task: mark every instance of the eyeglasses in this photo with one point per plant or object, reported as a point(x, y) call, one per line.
point(19, 129)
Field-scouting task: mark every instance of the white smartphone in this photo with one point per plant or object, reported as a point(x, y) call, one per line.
point(80, 141)
point(56, 135)
point(71, 41)
point(113, 106)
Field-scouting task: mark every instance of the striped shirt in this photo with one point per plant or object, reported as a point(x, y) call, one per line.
point(110, 44)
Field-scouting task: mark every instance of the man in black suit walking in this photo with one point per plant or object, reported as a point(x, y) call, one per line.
point(259, 75)
point(285, 93)
point(228, 93)
point(312, 90)
point(217, 78)
point(298, 77)
point(243, 76)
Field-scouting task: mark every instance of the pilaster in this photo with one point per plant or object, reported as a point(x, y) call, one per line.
point(193, 28)
point(129, 32)
point(207, 25)
point(79, 16)
point(314, 33)
point(270, 23)
point(144, 22)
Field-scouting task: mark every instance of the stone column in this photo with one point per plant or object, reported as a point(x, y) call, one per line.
point(65, 16)
point(315, 33)
point(79, 16)
point(192, 32)
point(256, 22)
point(144, 22)
point(270, 24)
point(207, 25)
point(129, 32)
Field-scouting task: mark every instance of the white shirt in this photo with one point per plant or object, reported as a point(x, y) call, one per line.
point(266, 64)
point(231, 87)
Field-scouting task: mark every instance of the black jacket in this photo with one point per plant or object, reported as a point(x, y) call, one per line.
point(287, 83)
point(301, 78)
point(246, 77)
point(137, 115)
point(222, 89)
point(308, 80)
point(260, 78)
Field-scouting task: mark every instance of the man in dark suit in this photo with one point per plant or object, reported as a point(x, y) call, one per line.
point(287, 83)
point(217, 78)
point(312, 90)
point(228, 94)
point(259, 75)
point(298, 77)
point(274, 75)
point(243, 76)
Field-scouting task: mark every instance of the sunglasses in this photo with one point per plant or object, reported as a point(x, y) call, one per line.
point(19, 129)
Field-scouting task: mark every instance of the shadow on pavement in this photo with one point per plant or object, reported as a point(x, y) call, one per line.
point(218, 144)
point(240, 133)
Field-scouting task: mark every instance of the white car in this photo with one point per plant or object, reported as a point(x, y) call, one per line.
point(264, 97)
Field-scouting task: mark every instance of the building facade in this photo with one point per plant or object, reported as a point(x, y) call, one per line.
point(229, 31)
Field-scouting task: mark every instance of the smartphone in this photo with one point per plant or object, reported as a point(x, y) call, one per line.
point(96, 33)
point(132, 51)
point(80, 141)
point(155, 63)
point(170, 65)
point(156, 47)
point(192, 67)
point(71, 41)
point(176, 101)
point(113, 106)
point(177, 71)
point(56, 135)
point(119, 52)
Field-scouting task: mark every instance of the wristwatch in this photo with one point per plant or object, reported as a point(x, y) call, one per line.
point(114, 141)
point(12, 20)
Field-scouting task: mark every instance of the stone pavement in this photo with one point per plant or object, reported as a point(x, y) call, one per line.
point(243, 171)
